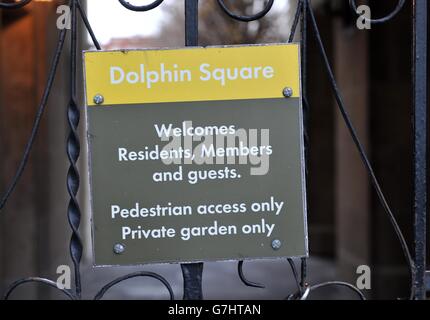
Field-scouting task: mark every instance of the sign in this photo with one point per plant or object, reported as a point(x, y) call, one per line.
point(196, 154)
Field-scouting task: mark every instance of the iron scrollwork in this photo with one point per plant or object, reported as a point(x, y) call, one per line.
point(303, 12)
point(268, 6)
point(148, 7)
point(14, 5)
point(388, 17)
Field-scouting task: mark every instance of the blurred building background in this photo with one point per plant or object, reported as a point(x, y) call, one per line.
point(347, 225)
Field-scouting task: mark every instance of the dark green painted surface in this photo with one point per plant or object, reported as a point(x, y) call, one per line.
point(127, 183)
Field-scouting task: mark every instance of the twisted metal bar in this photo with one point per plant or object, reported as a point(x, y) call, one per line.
point(360, 148)
point(47, 282)
point(73, 151)
point(246, 281)
point(148, 7)
point(14, 5)
point(388, 17)
point(253, 17)
point(111, 284)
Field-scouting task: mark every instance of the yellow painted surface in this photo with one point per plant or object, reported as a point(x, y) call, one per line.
point(192, 74)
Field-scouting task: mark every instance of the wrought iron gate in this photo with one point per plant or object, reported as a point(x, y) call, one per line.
point(192, 273)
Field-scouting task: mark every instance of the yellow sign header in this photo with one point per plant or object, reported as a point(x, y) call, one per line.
point(192, 74)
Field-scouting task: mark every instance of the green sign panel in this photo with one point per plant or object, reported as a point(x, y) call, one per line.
point(216, 174)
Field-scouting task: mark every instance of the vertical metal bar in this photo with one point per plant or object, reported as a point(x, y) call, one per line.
point(303, 45)
point(420, 144)
point(191, 22)
point(303, 49)
point(193, 272)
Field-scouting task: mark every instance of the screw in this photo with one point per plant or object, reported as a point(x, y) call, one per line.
point(287, 92)
point(276, 244)
point(98, 99)
point(118, 248)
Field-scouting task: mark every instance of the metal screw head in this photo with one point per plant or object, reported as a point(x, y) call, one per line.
point(276, 244)
point(98, 99)
point(287, 92)
point(118, 248)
